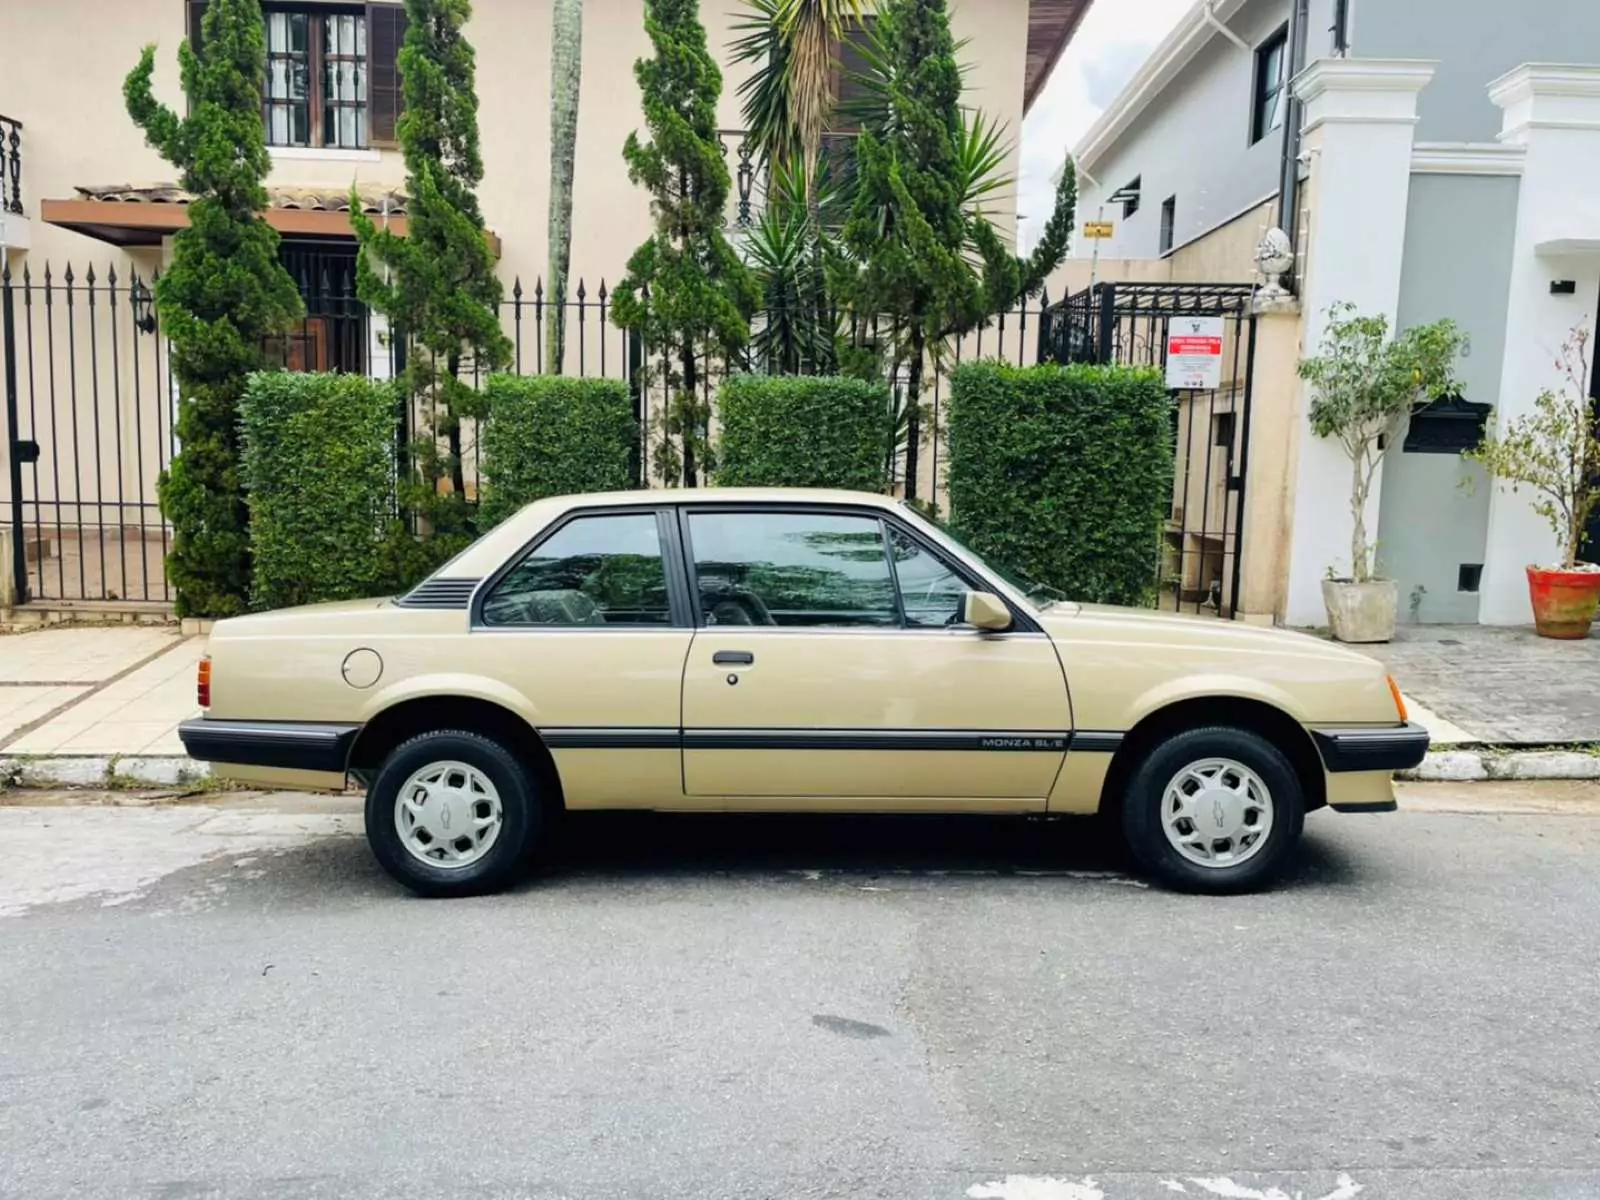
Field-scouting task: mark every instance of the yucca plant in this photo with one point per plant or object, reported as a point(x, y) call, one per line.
point(788, 251)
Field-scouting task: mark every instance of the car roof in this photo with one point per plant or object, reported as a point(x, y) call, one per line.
point(491, 550)
point(722, 495)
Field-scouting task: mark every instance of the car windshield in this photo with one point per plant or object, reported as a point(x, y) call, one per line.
point(1041, 594)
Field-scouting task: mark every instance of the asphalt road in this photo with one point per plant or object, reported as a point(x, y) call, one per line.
point(234, 1002)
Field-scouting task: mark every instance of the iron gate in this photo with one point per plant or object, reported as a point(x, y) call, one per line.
point(1202, 555)
point(89, 409)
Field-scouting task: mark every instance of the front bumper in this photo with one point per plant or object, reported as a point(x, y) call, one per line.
point(1371, 748)
point(291, 745)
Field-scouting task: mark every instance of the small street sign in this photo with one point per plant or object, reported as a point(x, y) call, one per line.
point(1194, 353)
point(1098, 229)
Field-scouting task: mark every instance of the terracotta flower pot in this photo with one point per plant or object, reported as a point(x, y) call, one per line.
point(1564, 602)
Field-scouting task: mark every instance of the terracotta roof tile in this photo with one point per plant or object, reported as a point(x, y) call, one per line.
point(312, 199)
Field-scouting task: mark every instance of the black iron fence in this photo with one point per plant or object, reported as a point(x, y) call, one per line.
point(90, 401)
point(1202, 562)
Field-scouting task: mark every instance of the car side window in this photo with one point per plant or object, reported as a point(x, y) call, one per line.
point(795, 569)
point(930, 592)
point(599, 570)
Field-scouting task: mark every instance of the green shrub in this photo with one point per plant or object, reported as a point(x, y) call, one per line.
point(319, 460)
point(1063, 474)
point(804, 431)
point(553, 435)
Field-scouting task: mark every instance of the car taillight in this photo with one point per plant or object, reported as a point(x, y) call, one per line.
point(203, 683)
point(1399, 700)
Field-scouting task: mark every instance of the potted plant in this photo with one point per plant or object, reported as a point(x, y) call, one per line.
point(1555, 451)
point(1364, 386)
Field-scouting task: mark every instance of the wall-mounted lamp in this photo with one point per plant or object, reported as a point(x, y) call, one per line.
point(144, 309)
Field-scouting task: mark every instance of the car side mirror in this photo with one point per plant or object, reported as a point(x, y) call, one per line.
point(985, 610)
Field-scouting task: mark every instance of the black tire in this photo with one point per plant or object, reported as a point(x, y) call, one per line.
point(521, 822)
point(1142, 817)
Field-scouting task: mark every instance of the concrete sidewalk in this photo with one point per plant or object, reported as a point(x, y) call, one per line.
point(91, 705)
point(79, 702)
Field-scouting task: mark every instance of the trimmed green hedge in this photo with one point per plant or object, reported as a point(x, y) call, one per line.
point(803, 431)
point(1063, 474)
point(554, 435)
point(318, 461)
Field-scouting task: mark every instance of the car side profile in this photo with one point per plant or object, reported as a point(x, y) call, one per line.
point(784, 650)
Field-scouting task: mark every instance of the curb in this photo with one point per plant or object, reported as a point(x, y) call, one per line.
point(152, 770)
point(101, 771)
point(1473, 766)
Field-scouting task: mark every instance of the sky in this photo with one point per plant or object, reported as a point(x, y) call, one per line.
point(1115, 38)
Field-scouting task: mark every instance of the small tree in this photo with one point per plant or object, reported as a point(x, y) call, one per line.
point(1365, 385)
point(224, 293)
point(1555, 450)
point(686, 291)
point(438, 285)
point(924, 254)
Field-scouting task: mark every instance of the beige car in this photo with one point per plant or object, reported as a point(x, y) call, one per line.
point(787, 651)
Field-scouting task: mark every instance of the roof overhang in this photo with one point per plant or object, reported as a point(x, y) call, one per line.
point(124, 224)
point(1193, 32)
point(1051, 24)
point(146, 223)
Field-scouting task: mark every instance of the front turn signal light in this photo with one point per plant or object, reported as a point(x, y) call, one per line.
point(203, 683)
point(1399, 700)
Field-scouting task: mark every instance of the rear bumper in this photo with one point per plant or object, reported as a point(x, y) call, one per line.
point(1373, 748)
point(291, 745)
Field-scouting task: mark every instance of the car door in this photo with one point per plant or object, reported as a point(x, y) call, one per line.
point(592, 627)
point(828, 664)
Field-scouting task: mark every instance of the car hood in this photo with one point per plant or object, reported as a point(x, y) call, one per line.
point(1068, 622)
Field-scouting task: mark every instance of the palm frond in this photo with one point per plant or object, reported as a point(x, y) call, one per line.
point(982, 152)
point(764, 96)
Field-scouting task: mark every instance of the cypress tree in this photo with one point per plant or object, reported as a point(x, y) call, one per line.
point(912, 235)
point(438, 285)
point(223, 295)
point(566, 80)
point(700, 296)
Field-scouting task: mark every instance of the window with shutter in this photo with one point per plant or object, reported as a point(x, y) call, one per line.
point(386, 30)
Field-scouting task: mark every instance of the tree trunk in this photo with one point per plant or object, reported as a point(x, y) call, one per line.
point(1358, 514)
point(458, 474)
point(913, 413)
point(566, 74)
point(688, 405)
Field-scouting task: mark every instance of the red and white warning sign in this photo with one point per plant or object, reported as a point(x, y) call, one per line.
point(1194, 353)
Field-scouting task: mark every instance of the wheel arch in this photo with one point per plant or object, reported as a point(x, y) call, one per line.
point(1239, 712)
point(415, 715)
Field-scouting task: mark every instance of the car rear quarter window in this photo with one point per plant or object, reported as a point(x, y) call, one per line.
point(593, 571)
point(795, 569)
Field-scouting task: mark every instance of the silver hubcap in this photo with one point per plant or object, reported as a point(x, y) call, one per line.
point(448, 814)
point(1217, 812)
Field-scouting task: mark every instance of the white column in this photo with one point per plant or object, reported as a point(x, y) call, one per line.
point(1554, 112)
point(1360, 116)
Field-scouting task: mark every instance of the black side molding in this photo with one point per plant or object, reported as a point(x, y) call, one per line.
point(1374, 748)
point(297, 745)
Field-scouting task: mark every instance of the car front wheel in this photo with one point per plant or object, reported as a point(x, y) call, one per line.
point(1214, 810)
point(451, 813)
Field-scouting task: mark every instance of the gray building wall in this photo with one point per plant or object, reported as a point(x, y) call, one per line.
point(1459, 231)
point(1475, 43)
point(1192, 142)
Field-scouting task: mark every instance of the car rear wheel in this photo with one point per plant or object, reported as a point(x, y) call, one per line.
point(1214, 810)
point(452, 813)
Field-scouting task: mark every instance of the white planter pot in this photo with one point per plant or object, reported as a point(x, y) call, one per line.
point(1361, 612)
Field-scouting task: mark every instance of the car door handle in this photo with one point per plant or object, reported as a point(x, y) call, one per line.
point(733, 658)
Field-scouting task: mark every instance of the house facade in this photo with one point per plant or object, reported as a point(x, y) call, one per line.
point(1440, 159)
point(80, 188)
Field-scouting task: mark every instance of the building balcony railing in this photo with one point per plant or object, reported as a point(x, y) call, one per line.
point(10, 164)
